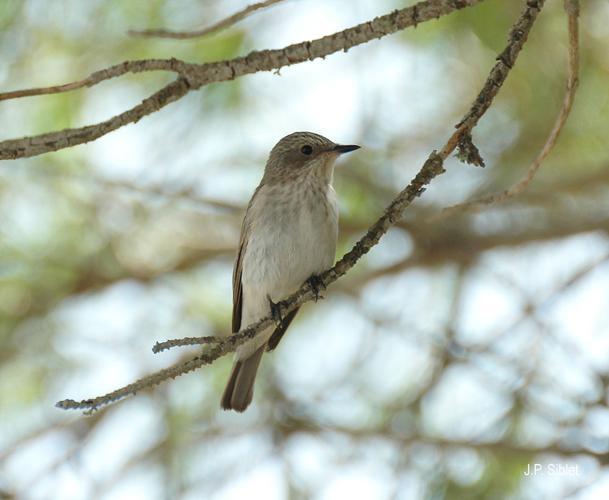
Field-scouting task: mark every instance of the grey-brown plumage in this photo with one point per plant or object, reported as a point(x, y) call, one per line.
point(288, 234)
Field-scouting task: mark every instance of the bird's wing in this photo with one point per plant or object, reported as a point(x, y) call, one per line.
point(280, 330)
point(237, 288)
point(238, 269)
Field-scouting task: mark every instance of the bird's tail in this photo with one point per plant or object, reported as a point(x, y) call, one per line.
point(240, 387)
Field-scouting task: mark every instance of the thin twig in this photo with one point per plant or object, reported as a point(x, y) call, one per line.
point(141, 66)
point(572, 8)
point(195, 76)
point(220, 25)
point(433, 167)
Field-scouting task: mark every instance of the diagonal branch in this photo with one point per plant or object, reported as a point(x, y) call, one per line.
point(572, 8)
point(220, 25)
point(54, 141)
point(194, 76)
point(433, 167)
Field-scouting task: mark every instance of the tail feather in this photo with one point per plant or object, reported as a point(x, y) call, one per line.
point(240, 387)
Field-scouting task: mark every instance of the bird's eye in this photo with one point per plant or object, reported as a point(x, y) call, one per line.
point(306, 150)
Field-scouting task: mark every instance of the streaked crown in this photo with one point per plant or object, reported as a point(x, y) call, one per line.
point(305, 143)
point(303, 153)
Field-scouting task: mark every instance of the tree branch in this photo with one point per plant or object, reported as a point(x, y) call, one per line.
point(433, 167)
point(54, 141)
point(194, 76)
point(220, 25)
point(141, 66)
point(572, 9)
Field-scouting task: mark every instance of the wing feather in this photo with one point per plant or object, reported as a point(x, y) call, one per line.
point(238, 269)
point(280, 330)
point(237, 287)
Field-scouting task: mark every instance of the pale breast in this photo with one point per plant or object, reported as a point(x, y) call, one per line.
point(292, 237)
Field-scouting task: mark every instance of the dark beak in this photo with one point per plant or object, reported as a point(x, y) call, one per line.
point(340, 149)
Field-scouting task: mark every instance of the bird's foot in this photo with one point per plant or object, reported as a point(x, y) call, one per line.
point(275, 311)
point(317, 287)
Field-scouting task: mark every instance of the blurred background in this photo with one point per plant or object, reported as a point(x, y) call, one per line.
point(459, 353)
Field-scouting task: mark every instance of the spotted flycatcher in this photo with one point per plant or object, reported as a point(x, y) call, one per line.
point(288, 236)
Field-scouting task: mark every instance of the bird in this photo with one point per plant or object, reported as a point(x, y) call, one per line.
point(288, 236)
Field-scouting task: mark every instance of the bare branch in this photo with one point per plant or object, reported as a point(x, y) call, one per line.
point(433, 167)
point(168, 344)
point(123, 68)
point(194, 76)
point(54, 141)
point(91, 405)
point(220, 25)
point(572, 8)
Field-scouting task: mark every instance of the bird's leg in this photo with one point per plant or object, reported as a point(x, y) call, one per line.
point(275, 311)
point(317, 286)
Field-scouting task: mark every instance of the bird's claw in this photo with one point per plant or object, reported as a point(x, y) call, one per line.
point(275, 311)
point(317, 287)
